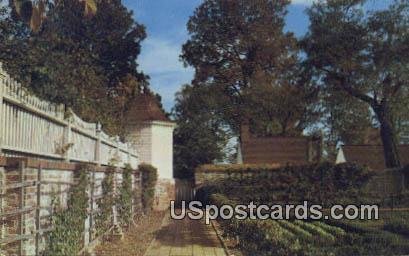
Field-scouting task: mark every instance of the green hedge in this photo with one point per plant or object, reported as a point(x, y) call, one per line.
point(149, 179)
point(319, 183)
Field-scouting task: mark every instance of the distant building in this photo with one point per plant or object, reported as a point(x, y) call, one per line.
point(278, 149)
point(151, 131)
point(369, 155)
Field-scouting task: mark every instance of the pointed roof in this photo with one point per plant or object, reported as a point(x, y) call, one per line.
point(145, 107)
point(372, 155)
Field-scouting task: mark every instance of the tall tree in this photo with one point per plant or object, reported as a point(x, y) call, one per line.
point(239, 47)
point(365, 54)
point(199, 137)
point(34, 12)
point(87, 63)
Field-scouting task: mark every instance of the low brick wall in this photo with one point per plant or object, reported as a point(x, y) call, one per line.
point(164, 193)
point(28, 187)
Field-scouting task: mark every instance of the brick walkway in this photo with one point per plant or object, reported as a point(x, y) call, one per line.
point(185, 237)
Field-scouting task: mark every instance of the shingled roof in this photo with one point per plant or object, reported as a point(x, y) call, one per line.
point(372, 155)
point(145, 107)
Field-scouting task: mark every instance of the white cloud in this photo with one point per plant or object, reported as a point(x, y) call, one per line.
point(160, 56)
point(302, 2)
point(160, 60)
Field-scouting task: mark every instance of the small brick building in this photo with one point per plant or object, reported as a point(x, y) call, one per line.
point(278, 149)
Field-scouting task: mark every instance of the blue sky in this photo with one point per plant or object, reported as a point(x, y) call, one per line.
point(165, 22)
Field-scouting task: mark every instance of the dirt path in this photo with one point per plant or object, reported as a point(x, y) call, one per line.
point(185, 238)
point(136, 240)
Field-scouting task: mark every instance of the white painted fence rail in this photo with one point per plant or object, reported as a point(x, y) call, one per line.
point(33, 127)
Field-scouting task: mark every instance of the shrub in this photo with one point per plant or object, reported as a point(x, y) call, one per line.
point(125, 197)
point(67, 236)
point(149, 178)
point(397, 226)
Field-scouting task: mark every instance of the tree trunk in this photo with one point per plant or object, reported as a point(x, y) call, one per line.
point(388, 135)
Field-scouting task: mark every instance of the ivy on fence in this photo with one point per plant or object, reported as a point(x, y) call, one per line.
point(67, 236)
point(125, 197)
point(149, 178)
point(1, 206)
point(103, 219)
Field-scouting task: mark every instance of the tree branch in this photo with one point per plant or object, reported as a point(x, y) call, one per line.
point(343, 84)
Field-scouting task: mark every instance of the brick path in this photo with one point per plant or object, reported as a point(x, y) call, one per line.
point(185, 237)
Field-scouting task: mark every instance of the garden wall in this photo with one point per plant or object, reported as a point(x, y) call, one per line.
point(28, 188)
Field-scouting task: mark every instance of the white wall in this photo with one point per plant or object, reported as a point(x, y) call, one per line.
point(154, 141)
point(162, 149)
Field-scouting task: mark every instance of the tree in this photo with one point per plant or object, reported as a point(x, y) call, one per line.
point(239, 49)
point(33, 13)
point(364, 54)
point(347, 118)
point(87, 63)
point(199, 137)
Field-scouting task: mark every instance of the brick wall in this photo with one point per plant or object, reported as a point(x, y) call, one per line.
point(56, 180)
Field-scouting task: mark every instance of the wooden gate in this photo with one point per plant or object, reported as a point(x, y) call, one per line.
point(185, 191)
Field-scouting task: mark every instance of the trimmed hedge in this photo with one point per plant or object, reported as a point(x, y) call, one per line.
point(319, 183)
point(149, 179)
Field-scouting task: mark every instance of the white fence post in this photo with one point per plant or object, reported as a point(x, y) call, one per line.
point(2, 133)
point(128, 151)
point(67, 139)
point(118, 151)
point(98, 145)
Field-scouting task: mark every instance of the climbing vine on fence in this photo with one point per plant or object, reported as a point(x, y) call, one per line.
point(1, 206)
point(67, 236)
point(149, 178)
point(105, 203)
point(125, 197)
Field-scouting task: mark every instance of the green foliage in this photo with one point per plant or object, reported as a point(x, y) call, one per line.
point(33, 12)
point(252, 69)
point(69, 223)
point(87, 63)
point(199, 137)
point(270, 237)
point(332, 237)
point(103, 219)
point(318, 183)
point(358, 52)
point(149, 178)
point(125, 197)
point(398, 224)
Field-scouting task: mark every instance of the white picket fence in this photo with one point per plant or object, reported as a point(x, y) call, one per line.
point(33, 127)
